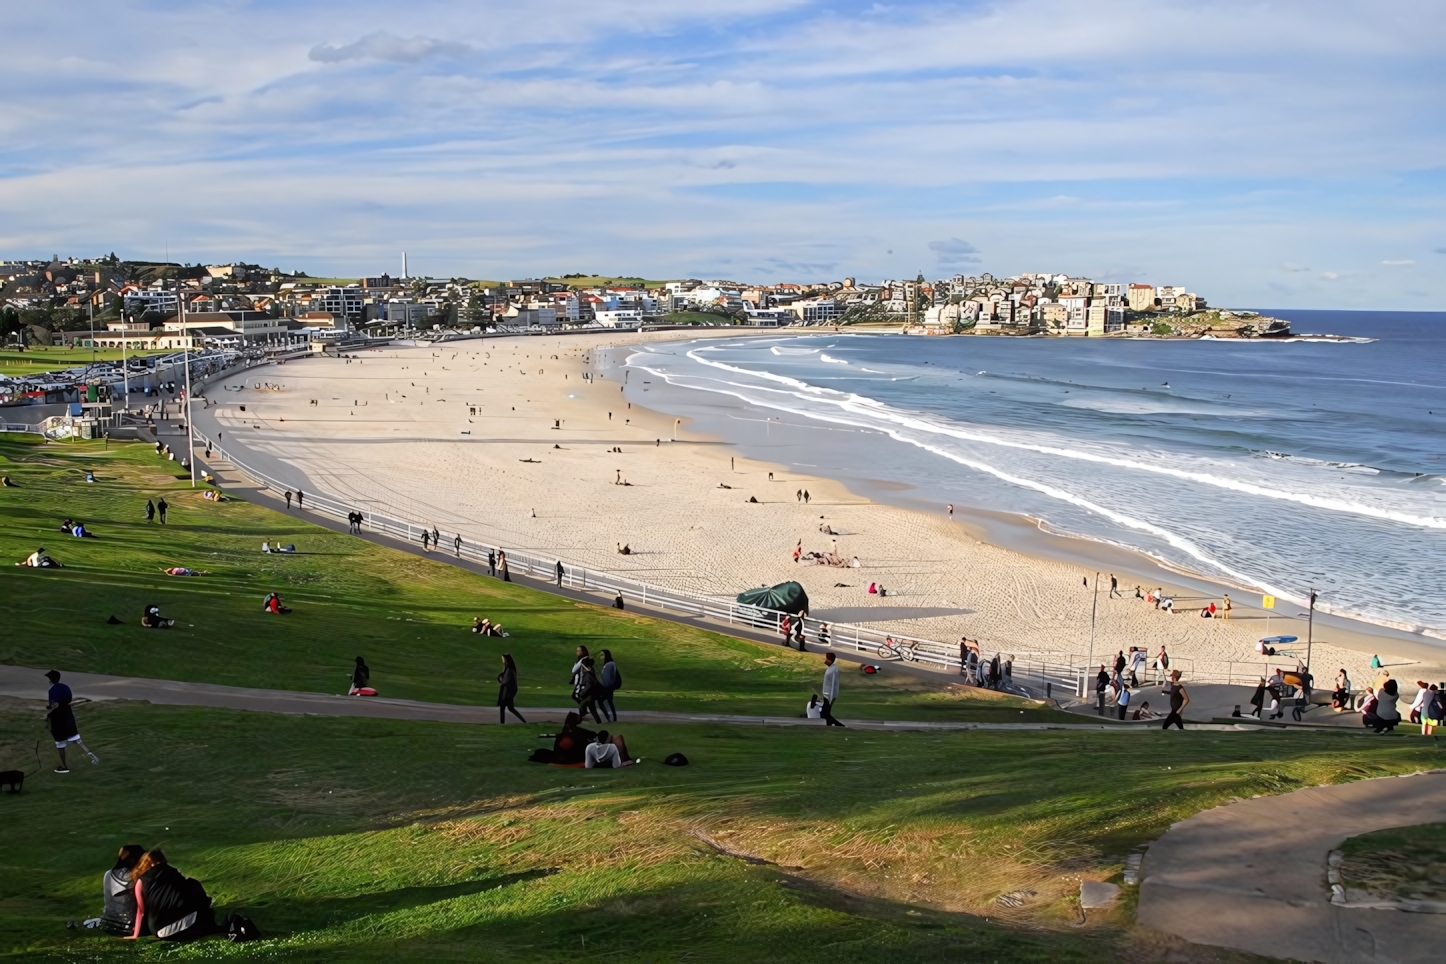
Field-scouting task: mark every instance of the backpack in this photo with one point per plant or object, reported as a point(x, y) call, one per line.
point(675, 760)
point(239, 927)
point(612, 677)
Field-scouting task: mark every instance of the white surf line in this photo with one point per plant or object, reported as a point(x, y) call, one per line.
point(867, 406)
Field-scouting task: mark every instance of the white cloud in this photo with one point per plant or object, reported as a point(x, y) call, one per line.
point(1403, 261)
point(385, 46)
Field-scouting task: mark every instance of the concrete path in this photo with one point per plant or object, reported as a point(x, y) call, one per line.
point(1252, 875)
point(29, 683)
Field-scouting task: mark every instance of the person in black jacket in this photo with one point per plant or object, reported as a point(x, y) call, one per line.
point(360, 677)
point(507, 689)
point(585, 689)
point(169, 905)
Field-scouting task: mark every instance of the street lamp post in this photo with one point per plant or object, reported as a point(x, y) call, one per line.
point(1310, 628)
point(1094, 607)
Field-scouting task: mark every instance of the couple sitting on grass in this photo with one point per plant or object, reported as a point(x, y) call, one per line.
point(486, 627)
point(268, 547)
point(145, 895)
point(578, 747)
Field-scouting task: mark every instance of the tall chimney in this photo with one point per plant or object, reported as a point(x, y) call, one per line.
point(404, 264)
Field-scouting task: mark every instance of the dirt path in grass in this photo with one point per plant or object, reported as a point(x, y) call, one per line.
point(29, 683)
point(1251, 875)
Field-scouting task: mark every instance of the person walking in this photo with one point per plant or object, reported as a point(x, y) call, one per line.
point(491, 563)
point(457, 545)
point(1162, 665)
point(1225, 606)
point(1257, 699)
point(161, 507)
point(559, 574)
point(62, 721)
point(288, 500)
point(1137, 664)
point(1102, 681)
point(830, 689)
point(1115, 591)
point(951, 511)
point(426, 540)
point(507, 689)
point(502, 566)
point(299, 497)
point(1179, 699)
point(1423, 692)
point(585, 688)
point(610, 680)
point(150, 511)
point(806, 497)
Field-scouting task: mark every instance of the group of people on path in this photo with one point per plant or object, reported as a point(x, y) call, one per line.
point(1120, 689)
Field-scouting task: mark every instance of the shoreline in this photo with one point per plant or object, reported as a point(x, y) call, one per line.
point(690, 532)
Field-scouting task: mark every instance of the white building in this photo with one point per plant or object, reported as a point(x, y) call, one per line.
point(618, 317)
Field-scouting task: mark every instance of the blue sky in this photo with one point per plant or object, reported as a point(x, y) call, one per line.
point(1288, 154)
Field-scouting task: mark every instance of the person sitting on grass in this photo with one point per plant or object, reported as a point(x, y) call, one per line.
point(361, 677)
point(607, 752)
point(272, 604)
point(169, 905)
point(1143, 713)
point(39, 560)
point(569, 746)
point(152, 618)
point(118, 891)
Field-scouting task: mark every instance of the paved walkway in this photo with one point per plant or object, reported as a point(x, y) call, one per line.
point(29, 683)
point(1252, 875)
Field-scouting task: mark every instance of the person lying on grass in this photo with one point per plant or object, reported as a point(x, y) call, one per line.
point(39, 560)
point(607, 752)
point(152, 619)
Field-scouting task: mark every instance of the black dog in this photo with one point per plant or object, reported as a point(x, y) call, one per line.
point(14, 779)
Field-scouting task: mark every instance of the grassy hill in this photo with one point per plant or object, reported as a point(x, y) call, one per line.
point(351, 839)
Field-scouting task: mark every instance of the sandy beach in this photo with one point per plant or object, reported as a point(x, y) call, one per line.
point(525, 443)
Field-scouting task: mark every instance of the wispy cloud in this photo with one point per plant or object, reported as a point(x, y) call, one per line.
point(386, 46)
point(954, 253)
point(739, 132)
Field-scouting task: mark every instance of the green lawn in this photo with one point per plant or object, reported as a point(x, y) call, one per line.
point(1403, 862)
point(353, 839)
point(409, 616)
point(36, 360)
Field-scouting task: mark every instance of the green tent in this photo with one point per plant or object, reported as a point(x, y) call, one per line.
point(786, 597)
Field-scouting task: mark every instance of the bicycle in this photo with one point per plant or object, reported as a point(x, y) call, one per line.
point(889, 649)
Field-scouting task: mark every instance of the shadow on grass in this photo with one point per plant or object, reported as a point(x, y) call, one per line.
point(284, 916)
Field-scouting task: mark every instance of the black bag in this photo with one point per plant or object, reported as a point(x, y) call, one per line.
point(540, 755)
point(239, 927)
point(675, 760)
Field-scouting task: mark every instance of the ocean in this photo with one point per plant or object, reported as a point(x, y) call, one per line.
point(1271, 466)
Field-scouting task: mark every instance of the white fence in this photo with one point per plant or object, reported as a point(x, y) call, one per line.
point(876, 643)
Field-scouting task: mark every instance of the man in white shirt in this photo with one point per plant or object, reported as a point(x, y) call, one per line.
point(830, 689)
point(603, 753)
